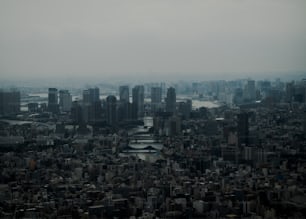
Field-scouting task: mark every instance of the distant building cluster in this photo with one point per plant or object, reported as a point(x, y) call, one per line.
point(214, 149)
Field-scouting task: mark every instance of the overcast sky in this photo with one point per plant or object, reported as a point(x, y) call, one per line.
point(127, 37)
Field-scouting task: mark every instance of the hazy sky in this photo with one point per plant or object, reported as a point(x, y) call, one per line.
point(114, 38)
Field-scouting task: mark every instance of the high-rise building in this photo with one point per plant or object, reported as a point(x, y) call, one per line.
point(156, 98)
point(65, 100)
point(53, 100)
point(156, 95)
point(9, 102)
point(250, 91)
point(111, 110)
point(124, 94)
point(76, 113)
point(124, 104)
point(171, 100)
point(138, 101)
point(91, 104)
point(185, 108)
point(91, 95)
point(243, 129)
point(86, 96)
point(95, 94)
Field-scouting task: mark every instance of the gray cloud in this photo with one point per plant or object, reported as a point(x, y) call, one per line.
point(107, 38)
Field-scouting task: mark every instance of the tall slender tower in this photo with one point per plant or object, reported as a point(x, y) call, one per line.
point(65, 100)
point(171, 100)
point(156, 98)
point(138, 102)
point(53, 100)
point(111, 110)
point(124, 93)
point(124, 104)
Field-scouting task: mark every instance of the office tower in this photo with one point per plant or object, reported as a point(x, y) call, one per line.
point(65, 100)
point(250, 91)
point(111, 110)
point(124, 94)
point(9, 102)
point(243, 129)
point(238, 96)
point(94, 94)
point(91, 104)
point(156, 98)
point(91, 95)
point(138, 102)
point(53, 100)
point(185, 108)
point(156, 95)
point(124, 104)
point(76, 113)
point(171, 100)
point(86, 96)
point(163, 87)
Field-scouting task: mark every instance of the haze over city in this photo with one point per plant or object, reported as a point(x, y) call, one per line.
point(135, 39)
point(153, 109)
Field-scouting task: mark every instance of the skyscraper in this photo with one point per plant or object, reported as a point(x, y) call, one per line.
point(156, 98)
point(86, 96)
point(171, 100)
point(94, 94)
point(156, 95)
point(76, 113)
point(9, 102)
point(184, 108)
point(250, 91)
point(65, 100)
point(53, 100)
point(91, 95)
point(138, 102)
point(111, 110)
point(124, 104)
point(91, 104)
point(124, 94)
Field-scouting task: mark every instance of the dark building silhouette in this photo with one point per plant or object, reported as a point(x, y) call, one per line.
point(156, 98)
point(9, 102)
point(53, 100)
point(138, 102)
point(171, 100)
point(111, 110)
point(184, 108)
point(124, 93)
point(91, 104)
point(91, 95)
point(243, 129)
point(250, 91)
point(124, 104)
point(33, 107)
point(65, 100)
point(156, 95)
point(76, 113)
